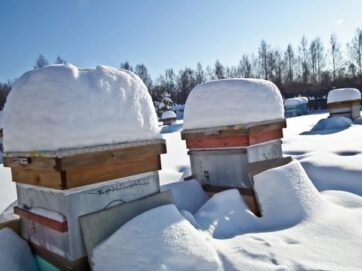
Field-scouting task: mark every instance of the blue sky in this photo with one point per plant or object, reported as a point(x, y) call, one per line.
point(161, 33)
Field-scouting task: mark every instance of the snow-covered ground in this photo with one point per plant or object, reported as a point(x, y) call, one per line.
point(311, 214)
point(308, 223)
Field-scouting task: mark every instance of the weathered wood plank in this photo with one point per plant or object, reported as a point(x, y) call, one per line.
point(258, 167)
point(88, 175)
point(45, 178)
point(256, 138)
point(84, 159)
point(46, 163)
point(344, 104)
point(45, 221)
point(110, 156)
point(216, 141)
point(235, 129)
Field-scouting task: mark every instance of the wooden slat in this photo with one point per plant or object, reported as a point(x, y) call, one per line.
point(41, 220)
point(45, 178)
point(256, 138)
point(85, 159)
point(46, 163)
point(268, 127)
point(83, 176)
point(216, 141)
point(227, 141)
point(344, 104)
point(235, 129)
point(60, 262)
point(110, 156)
point(258, 167)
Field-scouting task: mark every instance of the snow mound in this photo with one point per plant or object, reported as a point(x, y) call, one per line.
point(188, 195)
point(15, 253)
point(333, 123)
point(287, 196)
point(232, 102)
point(168, 115)
point(343, 94)
point(296, 101)
point(62, 106)
point(225, 215)
point(159, 239)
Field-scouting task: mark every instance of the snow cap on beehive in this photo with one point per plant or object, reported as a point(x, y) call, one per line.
point(343, 94)
point(62, 106)
point(232, 102)
point(168, 115)
point(296, 101)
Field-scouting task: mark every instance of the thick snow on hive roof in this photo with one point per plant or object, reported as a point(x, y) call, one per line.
point(168, 115)
point(61, 106)
point(295, 101)
point(232, 102)
point(343, 94)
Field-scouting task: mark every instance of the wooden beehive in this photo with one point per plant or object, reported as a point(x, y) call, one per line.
point(79, 167)
point(350, 109)
point(224, 157)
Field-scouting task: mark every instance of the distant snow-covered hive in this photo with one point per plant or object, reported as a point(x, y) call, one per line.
point(62, 106)
point(168, 115)
point(296, 101)
point(343, 94)
point(232, 102)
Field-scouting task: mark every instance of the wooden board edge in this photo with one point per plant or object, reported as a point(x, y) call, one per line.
point(41, 220)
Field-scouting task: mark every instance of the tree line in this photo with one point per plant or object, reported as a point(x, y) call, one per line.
point(311, 68)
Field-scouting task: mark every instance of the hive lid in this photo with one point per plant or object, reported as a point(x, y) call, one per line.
point(232, 102)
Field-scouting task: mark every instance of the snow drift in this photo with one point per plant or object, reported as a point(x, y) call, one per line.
point(335, 123)
point(62, 106)
point(286, 196)
point(159, 239)
point(232, 102)
point(343, 94)
point(15, 253)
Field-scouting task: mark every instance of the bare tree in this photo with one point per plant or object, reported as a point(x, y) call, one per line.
point(335, 55)
point(290, 62)
point(200, 74)
point(263, 57)
point(317, 58)
point(142, 72)
point(355, 49)
point(245, 68)
point(304, 60)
